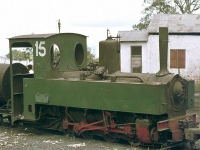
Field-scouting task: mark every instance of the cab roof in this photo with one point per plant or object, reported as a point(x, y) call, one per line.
point(32, 36)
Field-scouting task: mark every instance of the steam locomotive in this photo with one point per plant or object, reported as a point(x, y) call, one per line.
point(65, 93)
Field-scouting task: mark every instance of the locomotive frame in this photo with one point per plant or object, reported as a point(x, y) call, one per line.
point(66, 94)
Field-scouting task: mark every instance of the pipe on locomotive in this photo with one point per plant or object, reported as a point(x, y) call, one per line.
point(163, 49)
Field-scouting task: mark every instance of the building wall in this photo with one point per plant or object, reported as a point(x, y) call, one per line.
point(125, 55)
point(191, 45)
point(150, 55)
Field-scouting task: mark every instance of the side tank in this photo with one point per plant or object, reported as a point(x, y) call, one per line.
point(5, 91)
point(109, 54)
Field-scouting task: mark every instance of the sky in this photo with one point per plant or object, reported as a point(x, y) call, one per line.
point(88, 17)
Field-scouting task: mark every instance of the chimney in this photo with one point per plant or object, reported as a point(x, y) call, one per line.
point(163, 50)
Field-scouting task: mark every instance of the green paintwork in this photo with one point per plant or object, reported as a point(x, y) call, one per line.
point(104, 95)
point(41, 98)
point(191, 90)
point(42, 64)
point(150, 95)
point(66, 43)
point(109, 55)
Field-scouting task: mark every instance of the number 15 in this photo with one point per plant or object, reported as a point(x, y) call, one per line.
point(39, 48)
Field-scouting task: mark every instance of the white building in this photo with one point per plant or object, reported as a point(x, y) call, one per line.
point(140, 49)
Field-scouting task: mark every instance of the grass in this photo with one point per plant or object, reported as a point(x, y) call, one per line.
point(197, 87)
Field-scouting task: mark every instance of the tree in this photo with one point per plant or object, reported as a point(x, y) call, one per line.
point(28, 54)
point(165, 7)
point(16, 55)
point(187, 6)
point(91, 56)
point(25, 54)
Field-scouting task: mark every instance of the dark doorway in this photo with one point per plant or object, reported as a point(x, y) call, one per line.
point(136, 59)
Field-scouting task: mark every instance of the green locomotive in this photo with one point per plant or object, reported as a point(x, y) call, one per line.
point(96, 99)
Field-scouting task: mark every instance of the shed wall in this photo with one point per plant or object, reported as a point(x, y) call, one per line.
point(125, 55)
point(150, 54)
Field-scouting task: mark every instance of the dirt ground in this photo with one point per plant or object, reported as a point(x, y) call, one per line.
point(24, 139)
point(32, 139)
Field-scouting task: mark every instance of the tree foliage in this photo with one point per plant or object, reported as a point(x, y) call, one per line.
point(187, 6)
point(165, 7)
point(25, 54)
point(91, 56)
point(28, 54)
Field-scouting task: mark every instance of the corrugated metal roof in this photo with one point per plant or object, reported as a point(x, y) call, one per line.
point(176, 23)
point(128, 36)
point(33, 36)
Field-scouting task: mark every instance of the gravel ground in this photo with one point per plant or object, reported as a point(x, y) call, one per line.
point(31, 139)
point(23, 139)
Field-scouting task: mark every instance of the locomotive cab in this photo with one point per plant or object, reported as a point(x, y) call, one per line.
point(53, 54)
